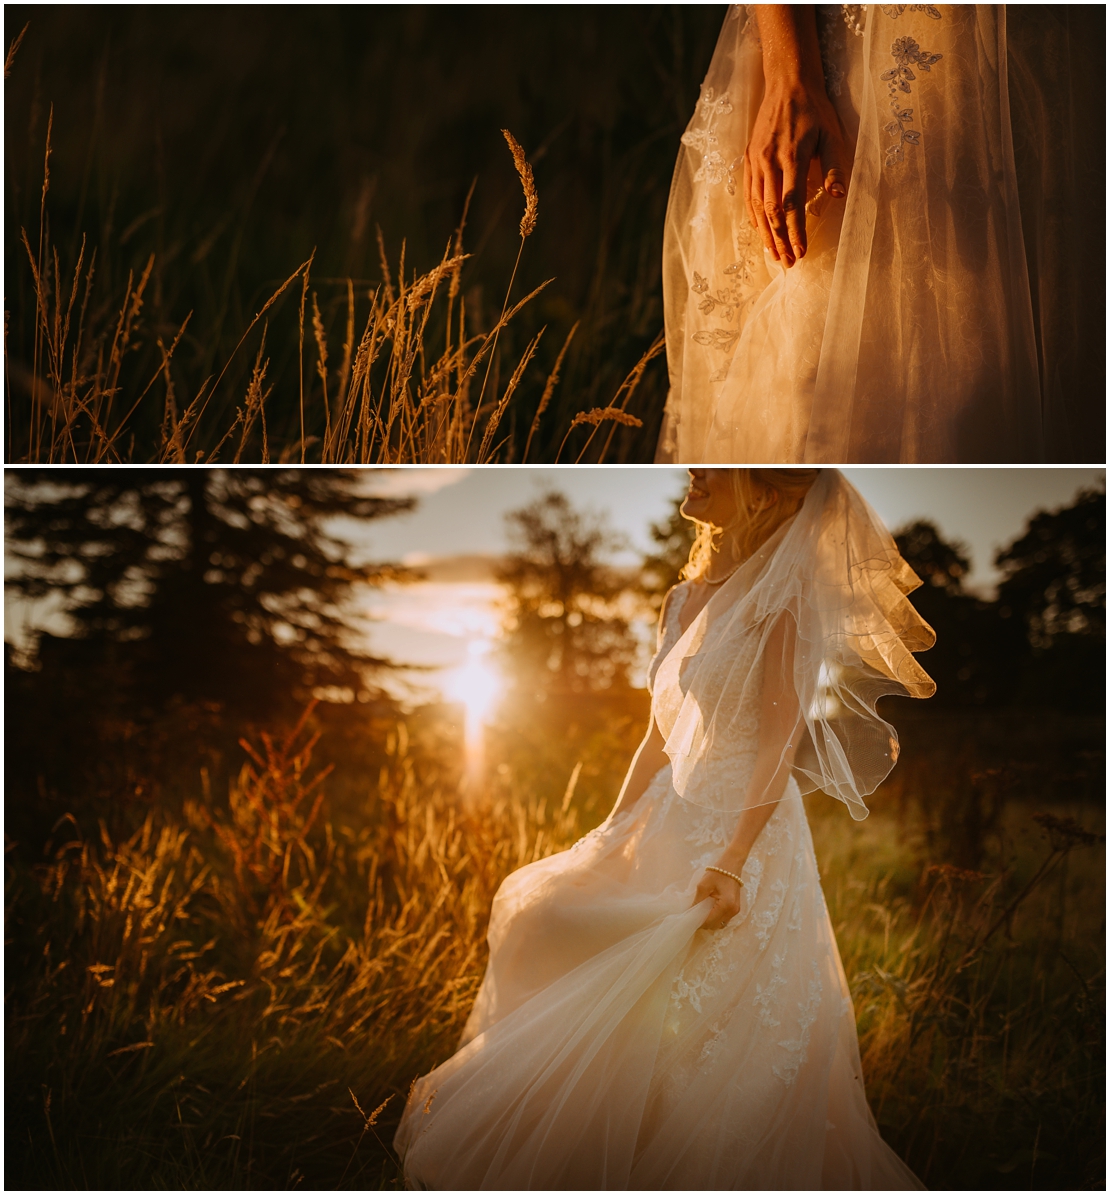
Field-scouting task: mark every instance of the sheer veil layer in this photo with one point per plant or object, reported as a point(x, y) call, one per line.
point(941, 314)
point(834, 574)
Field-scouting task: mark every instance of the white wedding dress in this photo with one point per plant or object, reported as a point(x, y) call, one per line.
point(941, 313)
point(616, 1044)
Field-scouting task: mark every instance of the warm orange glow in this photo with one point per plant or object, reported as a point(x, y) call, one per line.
point(477, 685)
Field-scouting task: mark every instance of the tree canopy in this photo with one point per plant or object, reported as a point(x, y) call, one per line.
point(213, 585)
point(1038, 642)
point(567, 633)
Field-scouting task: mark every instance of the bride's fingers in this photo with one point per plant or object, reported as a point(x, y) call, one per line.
point(755, 207)
point(794, 204)
point(746, 191)
point(776, 218)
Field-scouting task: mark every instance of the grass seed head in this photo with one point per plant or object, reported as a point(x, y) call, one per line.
point(531, 199)
point(600, 415)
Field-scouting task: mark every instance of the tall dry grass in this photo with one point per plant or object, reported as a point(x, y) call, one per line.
point(414, 380)
point(240, 997)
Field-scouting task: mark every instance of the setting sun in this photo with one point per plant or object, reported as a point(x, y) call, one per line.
point(477, 684)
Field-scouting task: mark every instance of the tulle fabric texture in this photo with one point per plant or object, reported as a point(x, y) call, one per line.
point(834, 574)
point(910, 332)
point(614, 1044)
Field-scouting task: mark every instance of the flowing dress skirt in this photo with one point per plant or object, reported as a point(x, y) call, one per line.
point(615, 1044)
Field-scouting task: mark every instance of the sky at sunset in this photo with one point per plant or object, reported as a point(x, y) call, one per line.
point(460, 519)
point(457, 532)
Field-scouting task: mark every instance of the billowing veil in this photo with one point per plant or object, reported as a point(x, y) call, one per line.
point(804, 638)
point(946, 310)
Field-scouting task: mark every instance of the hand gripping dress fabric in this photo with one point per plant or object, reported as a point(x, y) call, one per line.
point(940, 314)
point(614, 1044)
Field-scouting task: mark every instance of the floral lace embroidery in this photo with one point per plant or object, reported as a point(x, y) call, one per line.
point(711, 969)
point(753, 875)
point(766, 921)
point(896, 10)
point(718, 338)
point(714, 1047)
point(727, 298)
point(795, 922)
point(670, 630)
point(777, 829)
point(797, 1047)
point(747, 244)
point(768, 997)
point(713, 168)
point(906, 54)
point(854, 16)
point(829, 42)
point(708, 829)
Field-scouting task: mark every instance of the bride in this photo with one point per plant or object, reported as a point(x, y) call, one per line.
point(665, 1005)
point(862, 255)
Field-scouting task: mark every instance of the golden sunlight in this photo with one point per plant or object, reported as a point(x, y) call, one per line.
point(476, 684)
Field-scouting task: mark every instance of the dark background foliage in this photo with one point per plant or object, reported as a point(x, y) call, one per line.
point(203, 604)
point(232, 141)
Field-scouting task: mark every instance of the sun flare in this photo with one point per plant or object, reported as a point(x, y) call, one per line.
point(477, 684)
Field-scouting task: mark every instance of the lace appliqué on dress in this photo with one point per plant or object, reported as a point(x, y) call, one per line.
point(906, 54)
point(708, 829)
point(713, 168)
point(896, 10)
point(796, 1047)
point(767, 998)
point(854, 16)
point(712, 968)
point(670, 630)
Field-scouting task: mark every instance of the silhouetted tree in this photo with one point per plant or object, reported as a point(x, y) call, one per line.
point(978, 655)
point(202, 602)
point(571, 710)
point(1040, 642)
point(938, 562)
point(1054, 587)
point(1054, 576)
point(207, 585)
point(567, 634)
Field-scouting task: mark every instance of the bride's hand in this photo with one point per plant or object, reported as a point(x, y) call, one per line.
point(725, 894)
point(796, 123)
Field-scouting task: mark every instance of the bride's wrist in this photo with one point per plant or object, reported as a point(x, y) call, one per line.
point(732, 862)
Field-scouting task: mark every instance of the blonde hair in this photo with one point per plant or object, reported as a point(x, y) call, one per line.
point(755, 521)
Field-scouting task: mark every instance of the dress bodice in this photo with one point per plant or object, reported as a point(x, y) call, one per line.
point(733, 767)
point(670, 628)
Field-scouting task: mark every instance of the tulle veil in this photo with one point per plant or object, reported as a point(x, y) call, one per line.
point(834, 574)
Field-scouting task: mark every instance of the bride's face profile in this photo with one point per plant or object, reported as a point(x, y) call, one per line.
point(712, 497)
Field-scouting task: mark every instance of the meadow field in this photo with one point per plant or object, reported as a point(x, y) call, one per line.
point(295, 235)
point(238, 992)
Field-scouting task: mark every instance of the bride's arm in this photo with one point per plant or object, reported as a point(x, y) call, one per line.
point(649, 758)
point(796, 122)
point(780, 720)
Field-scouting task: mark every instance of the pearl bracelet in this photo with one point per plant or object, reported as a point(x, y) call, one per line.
point(731, 874)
